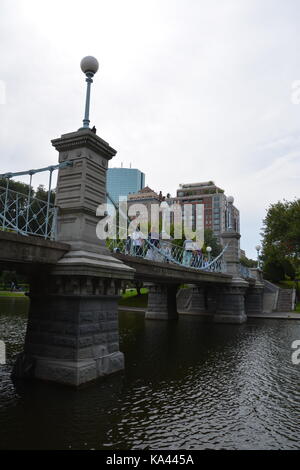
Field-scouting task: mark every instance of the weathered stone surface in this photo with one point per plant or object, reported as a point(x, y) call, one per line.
point(196, 302)
point(231, 303)
point(79, 372)
point(27, 254)
point(71, 346)
point(254, 299)
point(81, 188)
point(167, 273)
point(162, 302)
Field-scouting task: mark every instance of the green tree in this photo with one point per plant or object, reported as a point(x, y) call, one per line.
point(281, 240)
point(248, 262)
point(211, 240)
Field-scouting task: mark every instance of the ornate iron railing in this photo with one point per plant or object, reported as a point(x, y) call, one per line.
point(245, 272)
point(25, 213)
point(166, 252)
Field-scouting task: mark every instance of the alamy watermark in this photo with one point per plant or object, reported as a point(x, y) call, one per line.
point(186, 221)
point(2, 353)
point(296, 353)
point(2, 92)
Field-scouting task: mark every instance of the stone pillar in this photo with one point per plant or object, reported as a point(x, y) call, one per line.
point(231, 303)
point(231, 297)
point(198, 303)
point(254, 299)
point(162, 302)
point(212, 299)
point(231, 256)
point(81, 188)
point(72, 334)
point(255, 293)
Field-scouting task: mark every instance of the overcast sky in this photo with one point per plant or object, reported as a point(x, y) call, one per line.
point(187, 91)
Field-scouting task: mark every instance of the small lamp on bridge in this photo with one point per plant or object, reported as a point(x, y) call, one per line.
point(208, 251)
point(258, 248)
point(89, 65)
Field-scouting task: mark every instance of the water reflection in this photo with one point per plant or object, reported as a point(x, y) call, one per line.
point(187, 385)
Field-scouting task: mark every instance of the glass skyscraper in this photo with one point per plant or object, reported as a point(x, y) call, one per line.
point(122, 181)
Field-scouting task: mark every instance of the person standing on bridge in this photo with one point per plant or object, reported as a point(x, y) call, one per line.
point(153, 238)
point(137, 242)
point(188, 247)
point(128, 245)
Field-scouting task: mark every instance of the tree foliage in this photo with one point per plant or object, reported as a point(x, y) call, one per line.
point(248, 262)
point(281, 240)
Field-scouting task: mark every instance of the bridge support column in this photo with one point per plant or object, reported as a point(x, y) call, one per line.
point(72, 334)
point(231, 298)
point(231, 303)
point(212, 299)
point(162, 302)
point(254, 299)
point(198, 303)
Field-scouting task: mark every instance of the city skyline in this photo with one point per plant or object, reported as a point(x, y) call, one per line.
point(180, 92)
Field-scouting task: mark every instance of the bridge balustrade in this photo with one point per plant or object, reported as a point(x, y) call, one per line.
point(23, 212)
point(167, 252)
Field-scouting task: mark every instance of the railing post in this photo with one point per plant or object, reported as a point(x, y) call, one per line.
point(17, 212)
point(48, 202)
point(28, 204)
point(53, 231)
point(5, 204)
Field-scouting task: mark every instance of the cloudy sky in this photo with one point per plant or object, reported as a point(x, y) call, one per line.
point(187, 91)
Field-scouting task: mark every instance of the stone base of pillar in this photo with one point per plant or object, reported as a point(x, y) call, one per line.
point(254, 299)
point(197, 304)
point(162, 303)
point(72, 373)
point(72, 338)
point(231, 303)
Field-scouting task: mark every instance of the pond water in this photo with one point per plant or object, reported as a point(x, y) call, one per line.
point(187, 385)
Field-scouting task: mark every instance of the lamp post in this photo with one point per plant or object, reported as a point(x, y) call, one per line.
point(230, 201)
point(208, 251)
point(258, 248)
point(89, 65)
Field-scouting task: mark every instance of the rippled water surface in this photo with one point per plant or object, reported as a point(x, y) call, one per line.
point(187, 385)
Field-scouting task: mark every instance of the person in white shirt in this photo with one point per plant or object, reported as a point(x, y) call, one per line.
point(137, 242)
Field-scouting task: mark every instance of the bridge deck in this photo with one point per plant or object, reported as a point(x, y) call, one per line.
point(154, 271)
point(26, 253)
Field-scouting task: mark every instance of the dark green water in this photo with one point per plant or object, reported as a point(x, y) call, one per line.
point(186, 386)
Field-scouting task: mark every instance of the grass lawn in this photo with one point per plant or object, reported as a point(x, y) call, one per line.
point(6, 293)
point(297, 307)
point(131, 299)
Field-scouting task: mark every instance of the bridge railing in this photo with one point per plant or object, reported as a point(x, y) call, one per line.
point(26, 216)
point(25, 213)
point(166, 252)
point(245, 272)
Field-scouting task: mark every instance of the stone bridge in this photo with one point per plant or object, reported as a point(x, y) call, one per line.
point(72, 334)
